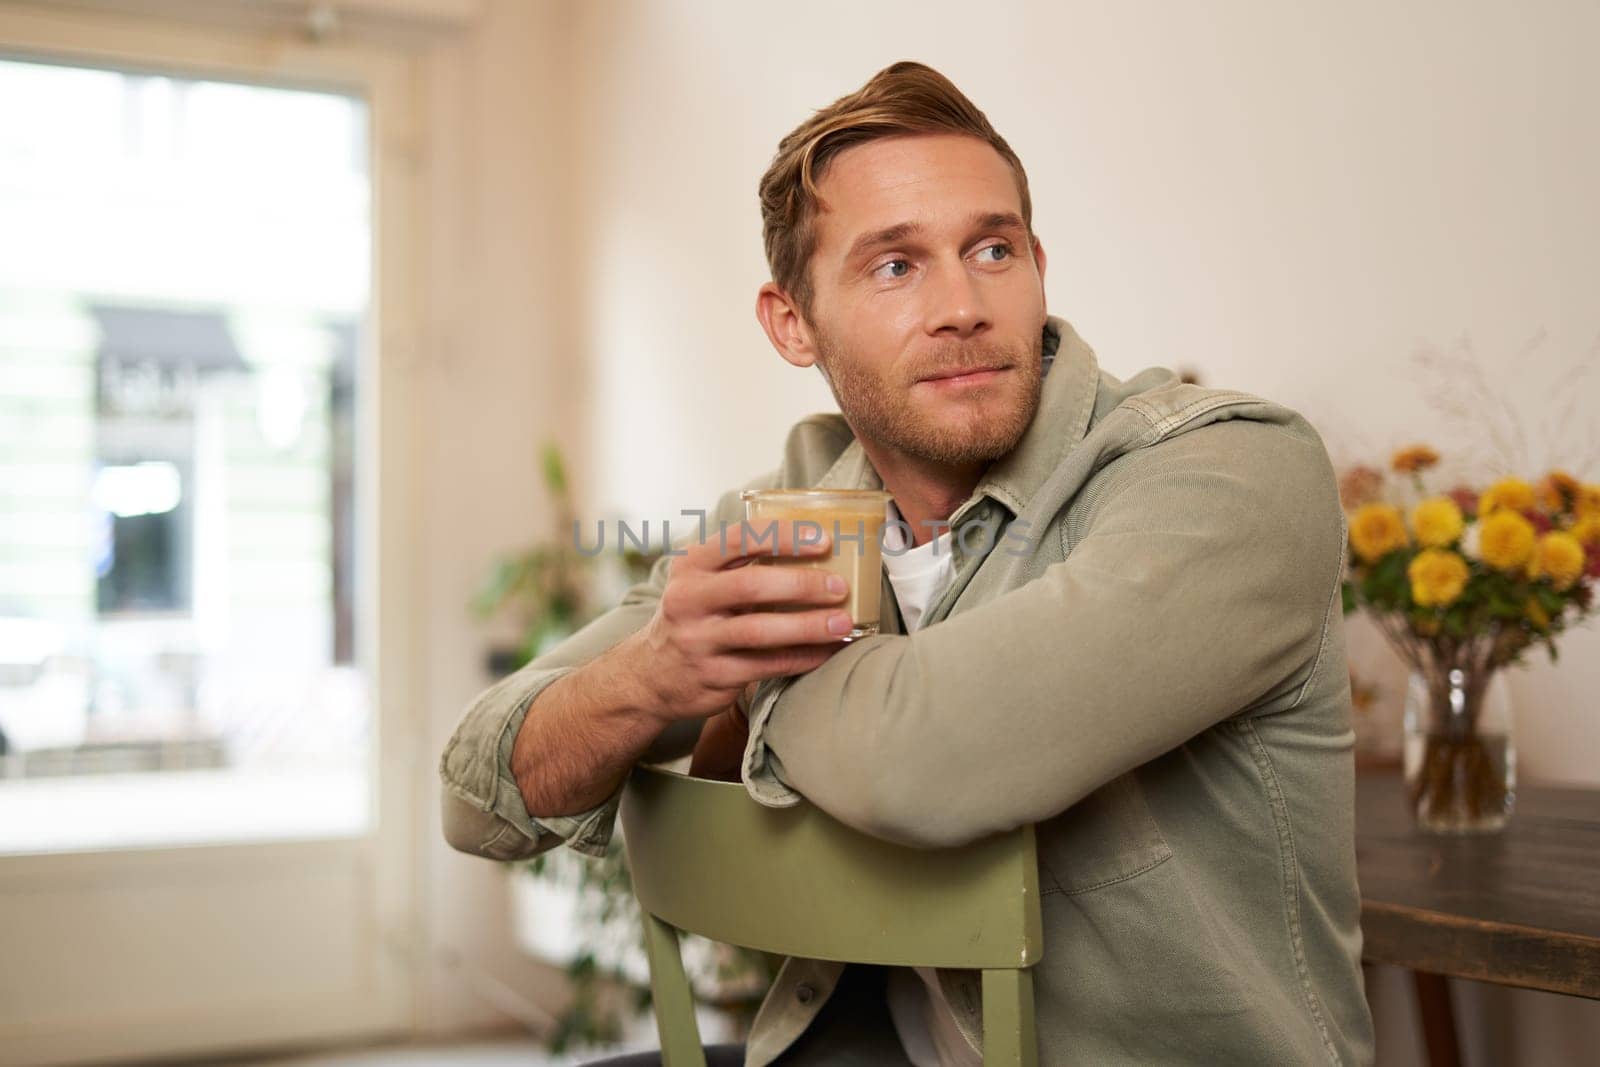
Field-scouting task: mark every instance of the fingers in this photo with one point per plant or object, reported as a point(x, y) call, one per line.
point(715, 630)
point(738, 545)
point(696, 600)
point(746, 587)
point(708, 581)
point(776, 629)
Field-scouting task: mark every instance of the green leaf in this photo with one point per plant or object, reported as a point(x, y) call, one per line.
point(555, 470)
point(503, 579)
point(1347, 591)
point(1391, 587)
point(1501, 608)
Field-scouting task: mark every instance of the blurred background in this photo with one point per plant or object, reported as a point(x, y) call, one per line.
point(314, 317)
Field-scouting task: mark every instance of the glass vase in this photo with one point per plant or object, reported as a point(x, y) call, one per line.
point(1460, 762)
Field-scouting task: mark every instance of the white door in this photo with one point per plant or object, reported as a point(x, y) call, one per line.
point(204, 264)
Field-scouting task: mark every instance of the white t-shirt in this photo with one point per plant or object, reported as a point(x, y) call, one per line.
point(922, 1016)
point(918, 574)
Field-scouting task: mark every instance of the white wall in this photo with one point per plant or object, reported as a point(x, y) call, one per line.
point(495, 384)
point(1292, 201)
point(1290, 197)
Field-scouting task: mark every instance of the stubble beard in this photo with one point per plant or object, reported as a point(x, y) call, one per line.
point(987, 424)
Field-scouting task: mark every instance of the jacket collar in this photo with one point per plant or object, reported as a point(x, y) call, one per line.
point(1066, 405)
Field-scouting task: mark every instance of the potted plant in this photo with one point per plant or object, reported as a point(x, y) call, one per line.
point(1462, 584)
point(575, 910)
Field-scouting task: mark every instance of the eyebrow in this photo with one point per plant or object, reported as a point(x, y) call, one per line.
point(891, 235)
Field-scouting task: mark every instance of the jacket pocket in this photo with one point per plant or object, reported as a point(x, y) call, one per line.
point(1105, 838)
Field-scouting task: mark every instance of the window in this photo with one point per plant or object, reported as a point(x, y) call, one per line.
point(184, 285)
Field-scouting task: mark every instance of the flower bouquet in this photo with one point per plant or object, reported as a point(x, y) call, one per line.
point(1462, 583)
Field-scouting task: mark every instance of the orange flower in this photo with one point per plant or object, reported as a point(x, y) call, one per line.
point(1376, 530)
point(1412, 459)
point(1557, 491)
point(1588, 501)
point(1359, 485)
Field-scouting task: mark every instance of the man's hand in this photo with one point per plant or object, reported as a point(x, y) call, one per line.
point(716, 629)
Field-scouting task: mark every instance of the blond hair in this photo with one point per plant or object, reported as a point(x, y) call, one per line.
point(904, 98)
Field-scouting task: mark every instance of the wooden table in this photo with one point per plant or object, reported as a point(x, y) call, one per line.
point(1518, 908)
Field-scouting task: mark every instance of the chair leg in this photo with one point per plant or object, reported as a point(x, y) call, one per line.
point(674, 1003)
point(1008, 1033)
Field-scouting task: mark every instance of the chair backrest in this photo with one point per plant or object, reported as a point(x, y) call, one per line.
point(708, 860)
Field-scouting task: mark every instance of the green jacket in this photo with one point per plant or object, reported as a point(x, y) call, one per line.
point(1142, 653)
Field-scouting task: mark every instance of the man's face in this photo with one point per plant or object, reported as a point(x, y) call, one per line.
point(923, 270)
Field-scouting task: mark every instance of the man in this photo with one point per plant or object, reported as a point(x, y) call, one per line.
point(1118, 618)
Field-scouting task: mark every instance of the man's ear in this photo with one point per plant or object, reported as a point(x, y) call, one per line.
point(786, 327)
point(1039, 265)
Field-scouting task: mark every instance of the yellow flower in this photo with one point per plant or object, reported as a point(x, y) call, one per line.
point(1437, 577)
point(1505, 540)
point(1513, 493)
point(1437, 522)
point(1414, 458)
point(1586, 530)
point(1558, 557)
point(1588, 504)
point(1557, 491)
point(1376, 530)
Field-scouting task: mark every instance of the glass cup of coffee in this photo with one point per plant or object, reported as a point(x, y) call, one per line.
point(852, 520)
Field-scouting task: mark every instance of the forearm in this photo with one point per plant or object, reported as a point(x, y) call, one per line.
point(1203, 593)
point(561, 734)
point(581, 737)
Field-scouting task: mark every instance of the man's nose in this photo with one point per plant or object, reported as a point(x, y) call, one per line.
point(956, 304)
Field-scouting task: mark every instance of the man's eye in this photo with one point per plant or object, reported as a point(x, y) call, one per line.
point(894, 268)
point(1003, 252)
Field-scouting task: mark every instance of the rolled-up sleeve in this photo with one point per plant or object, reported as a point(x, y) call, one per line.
point(1202, 588)
point(482, 809)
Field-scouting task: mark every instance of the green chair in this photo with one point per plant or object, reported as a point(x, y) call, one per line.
point(708, 860)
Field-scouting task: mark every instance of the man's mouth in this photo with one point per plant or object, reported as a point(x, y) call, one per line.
point(966, 376)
